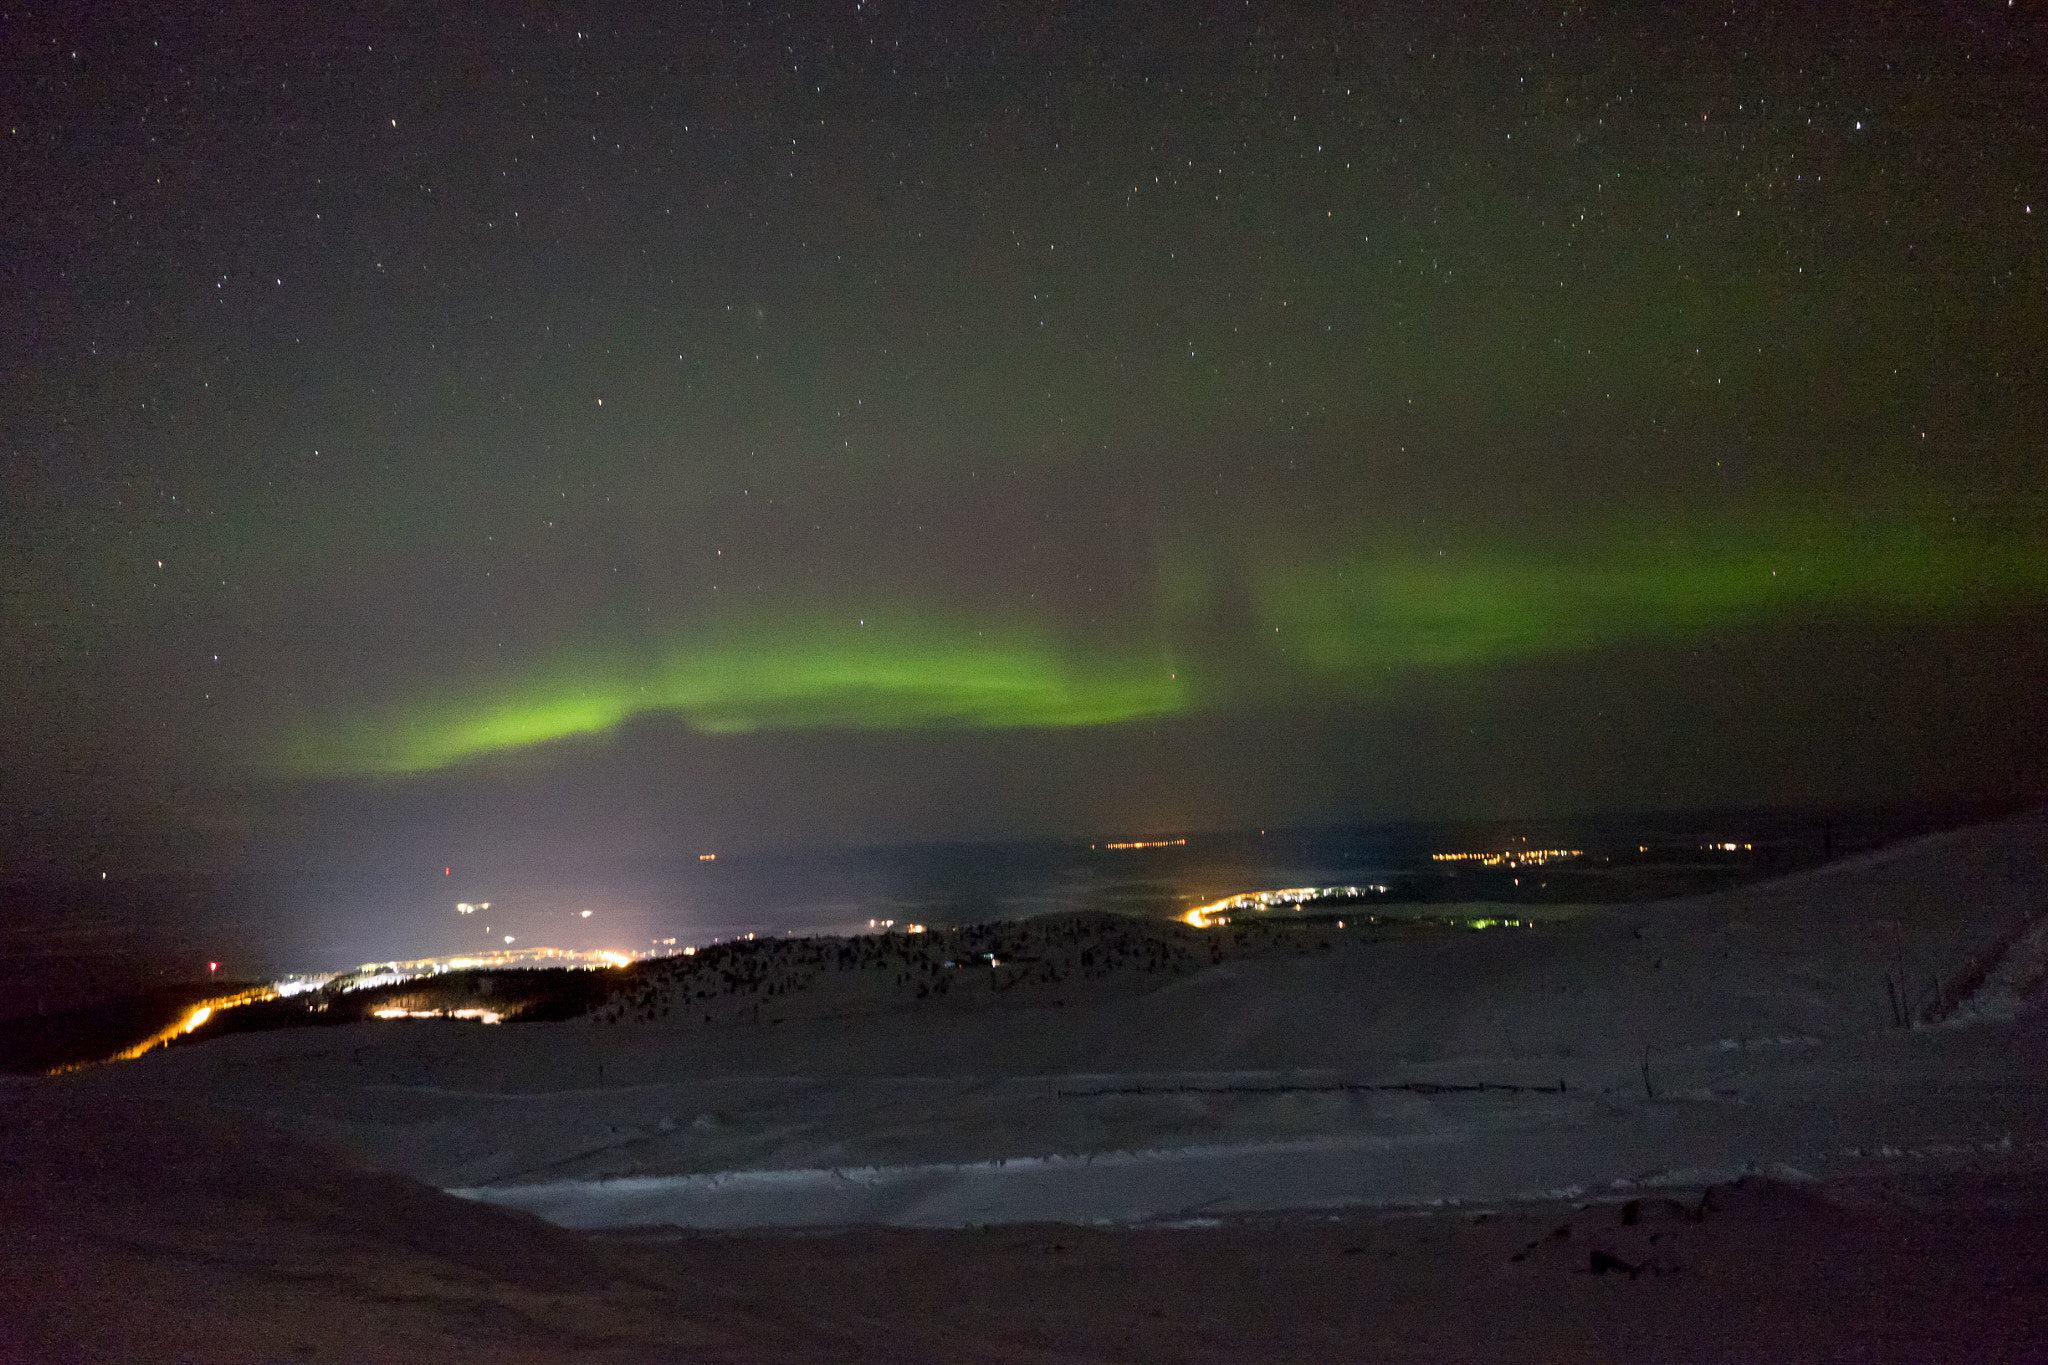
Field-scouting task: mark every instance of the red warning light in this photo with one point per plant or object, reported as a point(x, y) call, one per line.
point(447, 871)
point(213, 966)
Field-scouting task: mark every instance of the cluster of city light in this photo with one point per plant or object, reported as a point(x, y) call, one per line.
point(1512, 857)
point(191, 1020)
point(465, 908)
point(372, 974)
point(1202, 917)
point(1145, 843)
point(1728, 848)
point(480, 1015)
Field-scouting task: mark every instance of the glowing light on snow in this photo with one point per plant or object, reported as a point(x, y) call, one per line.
point(479, 1015)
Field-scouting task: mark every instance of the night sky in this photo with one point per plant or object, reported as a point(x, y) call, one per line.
point(437, 431)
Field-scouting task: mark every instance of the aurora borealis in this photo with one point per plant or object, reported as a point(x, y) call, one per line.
point(812, 676)
point(1348, 622)
point(1413, 613)
point(892, 421)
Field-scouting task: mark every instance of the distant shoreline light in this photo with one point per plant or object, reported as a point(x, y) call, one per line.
point(1205, 916)
point(1144, 843)
point(372, 974)
point(187, 1023)
point(1513, 857)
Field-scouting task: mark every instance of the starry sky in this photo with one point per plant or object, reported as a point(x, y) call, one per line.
point(614, 429)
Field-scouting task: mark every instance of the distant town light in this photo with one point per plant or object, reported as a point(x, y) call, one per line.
point(1512, 857)
point(480, 1015)
point(1206, 916)
point(199, 1015)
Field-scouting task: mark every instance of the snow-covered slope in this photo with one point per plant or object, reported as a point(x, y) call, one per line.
point(1110, 1069)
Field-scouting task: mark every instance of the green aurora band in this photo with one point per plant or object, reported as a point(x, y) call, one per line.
point(1366, 614)
point(1343, 620)
point(800, 676)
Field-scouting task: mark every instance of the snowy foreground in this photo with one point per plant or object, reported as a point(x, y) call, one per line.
point(1866, 1032)
point(1674, 1043)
